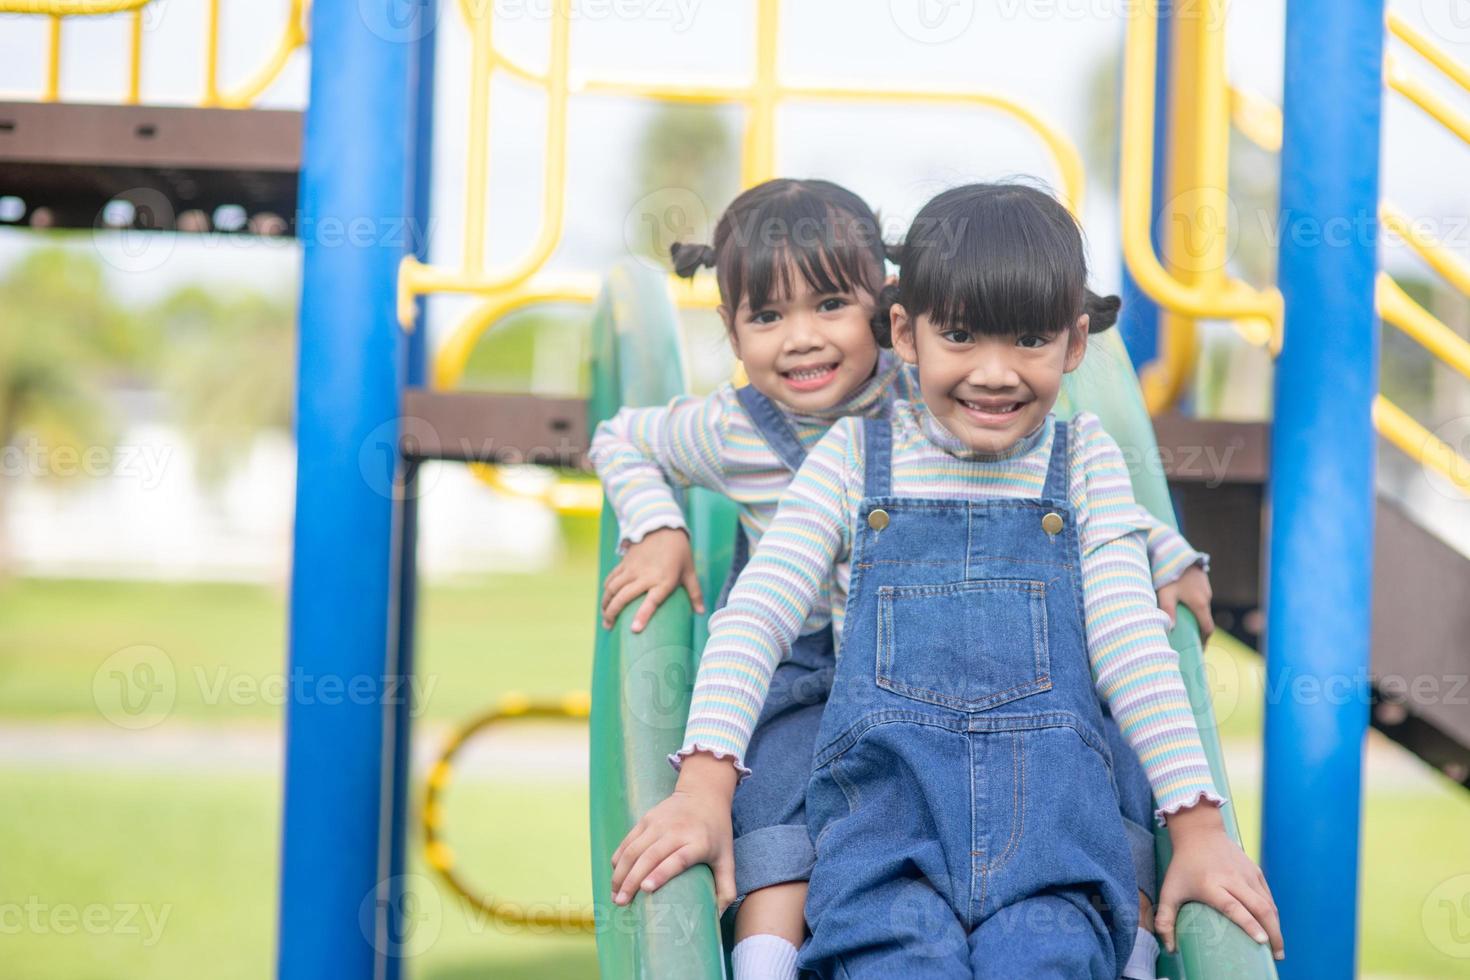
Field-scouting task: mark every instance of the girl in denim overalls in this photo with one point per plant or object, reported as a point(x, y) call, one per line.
point(759, 445)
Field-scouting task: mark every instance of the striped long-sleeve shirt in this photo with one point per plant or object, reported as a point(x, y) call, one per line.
point(643, 454)
point(803, 559)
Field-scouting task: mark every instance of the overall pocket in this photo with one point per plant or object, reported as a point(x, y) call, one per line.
point(968, 645)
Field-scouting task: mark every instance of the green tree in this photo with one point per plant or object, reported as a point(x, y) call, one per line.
point(227, 359)
point(63, 337)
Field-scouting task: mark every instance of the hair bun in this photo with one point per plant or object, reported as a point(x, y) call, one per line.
point(689, 258)
point(1102, 311)
point(882, 322)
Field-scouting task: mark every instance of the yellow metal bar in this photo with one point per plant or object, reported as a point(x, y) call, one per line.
point(71, 8)
point(1229, 298)
point(1399, 428)
point(1427, 99)
point(482, 63)
point(293, 37)
point(1257, 119)
point(1398, 308)
point(1454, 269)
point(53, 62)
point(758, 161)
point(135, 59)
point(211, 56)
point(1436, 56)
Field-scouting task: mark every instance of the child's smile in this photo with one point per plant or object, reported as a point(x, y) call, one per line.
point(809, 350)
point(990, 391)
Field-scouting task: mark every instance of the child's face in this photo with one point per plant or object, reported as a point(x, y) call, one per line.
point(808, 351)
point(989, 391)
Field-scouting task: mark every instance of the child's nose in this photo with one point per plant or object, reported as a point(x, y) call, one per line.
point(992, 370)
point(802, 332)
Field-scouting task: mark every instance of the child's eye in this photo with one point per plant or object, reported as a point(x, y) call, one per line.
point(1031, 341)
point(956, 336)
point(765, 317)
point(831, 304)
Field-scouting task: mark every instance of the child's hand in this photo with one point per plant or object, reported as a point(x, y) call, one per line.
point(1193, 589)
point(1209, 867)
point(691, 827)
point(657, 565)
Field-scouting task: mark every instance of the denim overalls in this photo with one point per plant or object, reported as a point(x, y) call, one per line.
point(769, 809)
point(962, 802)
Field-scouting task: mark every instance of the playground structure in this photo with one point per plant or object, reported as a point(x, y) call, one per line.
point(367, 380)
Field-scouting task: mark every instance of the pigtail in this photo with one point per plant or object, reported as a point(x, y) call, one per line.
point(689, 258)
point(882, 322)
point(1102, 311)
point(893, 253)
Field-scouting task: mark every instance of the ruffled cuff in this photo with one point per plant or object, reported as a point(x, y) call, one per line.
point(676, 759)
point(645, 527)
point(1186, 801)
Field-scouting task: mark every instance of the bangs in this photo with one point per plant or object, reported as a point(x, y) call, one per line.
point(831, 249)
point(996, 260)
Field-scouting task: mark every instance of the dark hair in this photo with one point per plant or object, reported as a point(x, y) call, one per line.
point(826, 231)
point(996, 259)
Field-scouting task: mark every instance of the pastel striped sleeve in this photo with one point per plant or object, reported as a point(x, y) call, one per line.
point(1169, 555)
point(1135, 669)
point(785, 579)
point(906, 384)
point(642, 454)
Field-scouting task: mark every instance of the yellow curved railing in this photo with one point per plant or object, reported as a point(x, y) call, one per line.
point(759, 98)
point(1203, 287)
point(242, 96)
point(440, 856)
point(1260, 121)
point(524, 284)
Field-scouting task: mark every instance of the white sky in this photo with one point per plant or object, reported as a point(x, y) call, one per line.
point(1039, 51)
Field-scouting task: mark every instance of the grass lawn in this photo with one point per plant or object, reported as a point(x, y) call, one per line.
point(178, 875)
point(223, 645)
point(200, 849)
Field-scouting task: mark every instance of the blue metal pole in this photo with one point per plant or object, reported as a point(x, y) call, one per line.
point(335, 916)
point(1322, 480)
point(1139, 320)
point(421, 149)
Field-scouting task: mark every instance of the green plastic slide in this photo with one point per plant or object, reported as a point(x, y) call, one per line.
point(641, 683)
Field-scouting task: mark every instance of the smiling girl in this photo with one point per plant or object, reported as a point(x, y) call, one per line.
point(985, 566)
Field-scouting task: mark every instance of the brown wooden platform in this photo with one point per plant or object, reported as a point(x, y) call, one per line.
point(66, 161)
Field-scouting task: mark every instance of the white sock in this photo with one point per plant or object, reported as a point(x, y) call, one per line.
point(1144, 960)
point(764, 958)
